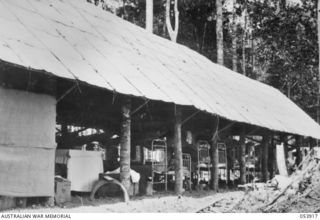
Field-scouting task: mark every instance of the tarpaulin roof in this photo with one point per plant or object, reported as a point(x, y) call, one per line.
point(76, 40)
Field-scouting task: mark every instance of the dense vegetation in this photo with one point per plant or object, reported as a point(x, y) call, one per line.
point(276, 40)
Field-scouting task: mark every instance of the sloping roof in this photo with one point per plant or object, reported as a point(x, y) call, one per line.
point(76, 40)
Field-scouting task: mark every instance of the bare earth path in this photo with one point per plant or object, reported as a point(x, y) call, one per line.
point(190, 202)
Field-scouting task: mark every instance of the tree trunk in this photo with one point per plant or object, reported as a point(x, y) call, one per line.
point(298, 147)
point(173, 33)
point(244, 38)
point(229, 164)
point(178, 188)
point(318, 97)
point(219, 32)
point(149, 15)
point(64, 135)
point(265, 155)
point(283, 5)
point(253, 57)
point(164, 27)
point(214, 157)
point(272, 159)
point(234, 39)
point(215, 162)
point(242, 159)
point(283, 139)
point(125, 142)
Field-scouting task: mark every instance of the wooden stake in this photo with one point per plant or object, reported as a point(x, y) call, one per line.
point(125, 142)
point(242, 159)
point(178, 151)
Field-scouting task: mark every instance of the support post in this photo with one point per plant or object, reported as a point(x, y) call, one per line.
point(242, 159)
point(64, 135)
point(215, 162)
point(178, 188)
point(215, 157)
point(272, 158)
point(298, 144)
point(265, 156)
point(285, 149)
point(228, 165)
point(285, 145)
point(125, 142)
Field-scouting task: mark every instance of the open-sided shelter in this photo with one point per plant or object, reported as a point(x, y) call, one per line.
point(50, 47)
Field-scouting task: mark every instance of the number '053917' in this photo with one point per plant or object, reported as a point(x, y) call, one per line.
point(314, 215)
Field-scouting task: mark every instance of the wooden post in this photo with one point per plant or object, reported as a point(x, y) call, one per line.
point(298, 146)
point(125, 142)
point(264, 158)
point(64, 135)
point(228, 165)
point(272, 159)
point(242, 159)
point(215, 162)
point(285, 148)
point(285, 145)
point(178, 188)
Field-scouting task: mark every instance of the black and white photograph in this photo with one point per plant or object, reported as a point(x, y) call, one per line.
point(159, 106)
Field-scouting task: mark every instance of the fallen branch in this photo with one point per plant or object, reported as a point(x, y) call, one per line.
point(306, 202)
point(316, 210)
point(237, 204)
point(299, 176)
point(301, 196)
point(316, 192)
point(316, 199)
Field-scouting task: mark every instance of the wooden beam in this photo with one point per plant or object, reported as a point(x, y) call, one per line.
point(125, 142)
point(242, 159)
point(254, 140)
point(226, 127)
point(70, 141)
point(178, 188)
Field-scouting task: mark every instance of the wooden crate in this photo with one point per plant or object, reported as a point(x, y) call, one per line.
point(62, 191)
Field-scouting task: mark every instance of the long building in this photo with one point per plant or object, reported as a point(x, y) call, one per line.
point(70, 63)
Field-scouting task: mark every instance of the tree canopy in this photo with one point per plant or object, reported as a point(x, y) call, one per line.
point(275, 40)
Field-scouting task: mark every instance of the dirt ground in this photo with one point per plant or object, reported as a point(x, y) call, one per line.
point(160, 202)
point(296, 193)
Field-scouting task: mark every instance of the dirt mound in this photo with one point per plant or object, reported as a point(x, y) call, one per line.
point(298, 193)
